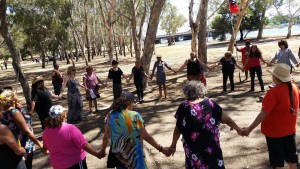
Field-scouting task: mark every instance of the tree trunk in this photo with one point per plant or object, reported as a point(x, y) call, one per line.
point(149, 42)
point(135, 39)
point(291, 20)
point(43, 59)
point(243, 8)
point(242, 35)
point(194, 25)
point(76, 47)
point(130, 44)
point(261, 24)
point(13, 51)
point(87, 32)
point(202, 45)
point(108, 26)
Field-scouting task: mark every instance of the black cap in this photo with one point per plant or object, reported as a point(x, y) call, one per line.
point(128, 95)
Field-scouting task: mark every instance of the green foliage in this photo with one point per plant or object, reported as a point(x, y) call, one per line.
point(221, 24)
point(44, 23)
point(171, 21)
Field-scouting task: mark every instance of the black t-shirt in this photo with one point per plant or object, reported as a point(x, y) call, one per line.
point(43, 101)
point(228, 65)
point(115, 75)
point(138, 74)
point(194, 68)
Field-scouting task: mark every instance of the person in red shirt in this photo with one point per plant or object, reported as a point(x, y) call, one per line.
point(253, 63)
point(245, 53)
point(278, 118)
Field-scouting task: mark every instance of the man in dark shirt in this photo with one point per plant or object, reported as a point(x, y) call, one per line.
point(138, 73)
point(115, 74)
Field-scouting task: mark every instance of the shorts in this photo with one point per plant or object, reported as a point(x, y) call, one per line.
point(282, 149)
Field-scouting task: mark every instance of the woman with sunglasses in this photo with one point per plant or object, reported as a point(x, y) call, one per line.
point(75, 106)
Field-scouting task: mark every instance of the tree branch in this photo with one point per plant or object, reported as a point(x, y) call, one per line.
point(216, 10)
point(120, 13)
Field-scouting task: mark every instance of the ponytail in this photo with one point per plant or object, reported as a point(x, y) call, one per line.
point(292, 110)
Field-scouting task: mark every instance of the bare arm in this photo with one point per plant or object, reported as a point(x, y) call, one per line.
point(19, 119)
point(228, 121)
point(84, 81)
point(105, 140)
point(63, 86)
point(176, 135)
point(8, 138)
point(130, 77)
point(260, 117)
point(183, 66)
point(145, 136)
point(262, 59)
point(124, 77)
point(88, 148)
point(203, 64)
point(32, 108)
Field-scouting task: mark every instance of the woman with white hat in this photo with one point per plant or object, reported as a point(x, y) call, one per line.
point(278, 118)
point(160, 74)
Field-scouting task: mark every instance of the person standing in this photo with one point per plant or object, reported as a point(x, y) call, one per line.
point(65, 142)
point(57, 79)
point(253, 62)
point(138, 73)
point(5, 63)
point(160, 74)
point(278, 118)
point(14, 117)
point(284, 55)
point(228, 65)
point(11, 153)
point(194, 68)
point(75, 105)
point(245, 53)
point(125, 129)
point(41, 99)
point(197, 120)
point(115, 74)
point(91, 81)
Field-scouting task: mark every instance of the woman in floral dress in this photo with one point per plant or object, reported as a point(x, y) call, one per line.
point(75, 106)
point(197, 119)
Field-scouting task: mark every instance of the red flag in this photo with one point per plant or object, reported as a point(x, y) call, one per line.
point(233, 7)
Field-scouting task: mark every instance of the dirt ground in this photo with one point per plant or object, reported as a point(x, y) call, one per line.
point(239, 152)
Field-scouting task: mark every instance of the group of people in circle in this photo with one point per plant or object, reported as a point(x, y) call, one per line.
point(197, 118)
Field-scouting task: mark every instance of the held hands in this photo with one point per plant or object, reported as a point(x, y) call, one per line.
point(101, 154)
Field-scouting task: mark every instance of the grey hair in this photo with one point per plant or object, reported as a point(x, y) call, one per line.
point(194, 89)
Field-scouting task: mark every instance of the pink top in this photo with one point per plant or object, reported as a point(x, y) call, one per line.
point(254, 62)
point(65, 145)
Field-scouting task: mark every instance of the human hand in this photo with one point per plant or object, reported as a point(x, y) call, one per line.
point(101, 154)
point(245, 131)
point(269, 64)
point(30, 113)
point(167, 151)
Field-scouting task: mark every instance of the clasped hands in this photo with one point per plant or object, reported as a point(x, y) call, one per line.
point(245, 131)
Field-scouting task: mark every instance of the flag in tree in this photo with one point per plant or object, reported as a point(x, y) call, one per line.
point(233, 7)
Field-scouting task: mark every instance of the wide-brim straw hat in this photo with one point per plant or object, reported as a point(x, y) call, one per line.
point(282, 72)
point(37, 79)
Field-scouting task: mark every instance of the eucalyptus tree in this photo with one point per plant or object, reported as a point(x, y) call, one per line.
point(243, 7)
point(45, 23)
point(4, 31)
point(171, 20)
point(292, 8)
point(149, 43)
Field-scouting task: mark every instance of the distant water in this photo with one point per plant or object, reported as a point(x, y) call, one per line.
point(267, 32)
